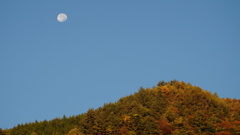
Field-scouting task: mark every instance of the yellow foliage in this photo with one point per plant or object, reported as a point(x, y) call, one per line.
point(126, 118)
point(75, 131)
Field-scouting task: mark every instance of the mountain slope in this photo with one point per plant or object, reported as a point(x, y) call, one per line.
point(169, 108)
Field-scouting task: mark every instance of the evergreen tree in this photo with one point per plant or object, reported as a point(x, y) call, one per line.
point(170, 108)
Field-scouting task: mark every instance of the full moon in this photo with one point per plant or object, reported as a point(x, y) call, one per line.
point(62, 17)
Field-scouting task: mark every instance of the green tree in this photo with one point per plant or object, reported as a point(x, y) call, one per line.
point(89, 122)
point(170, 108)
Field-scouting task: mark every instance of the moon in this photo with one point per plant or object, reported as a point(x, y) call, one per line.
point(62, 17)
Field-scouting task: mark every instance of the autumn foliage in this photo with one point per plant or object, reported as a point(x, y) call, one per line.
point(169, 108)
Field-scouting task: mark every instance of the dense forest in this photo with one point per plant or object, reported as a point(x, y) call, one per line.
point(174, 107)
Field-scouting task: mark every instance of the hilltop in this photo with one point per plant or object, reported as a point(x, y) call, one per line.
point(173, 107)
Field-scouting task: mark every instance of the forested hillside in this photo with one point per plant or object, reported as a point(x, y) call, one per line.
point(171, 107)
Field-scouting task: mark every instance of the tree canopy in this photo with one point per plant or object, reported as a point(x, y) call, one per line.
point(169, 108)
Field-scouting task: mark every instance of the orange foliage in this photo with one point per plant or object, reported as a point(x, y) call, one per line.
point(223, 133)
point(165, 127)
point(123, 130)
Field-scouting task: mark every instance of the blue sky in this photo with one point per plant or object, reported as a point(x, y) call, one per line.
point(108, 49)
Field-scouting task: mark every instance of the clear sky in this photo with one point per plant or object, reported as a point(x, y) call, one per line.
point(107, 49)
